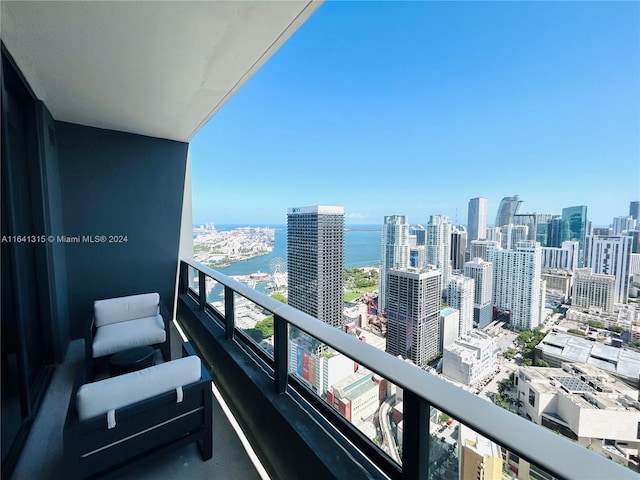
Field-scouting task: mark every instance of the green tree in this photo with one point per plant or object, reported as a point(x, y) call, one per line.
point(575, 331)
point(541, 363)
point(265, 327)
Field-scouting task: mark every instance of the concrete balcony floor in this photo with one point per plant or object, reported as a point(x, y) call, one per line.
point(42, 456)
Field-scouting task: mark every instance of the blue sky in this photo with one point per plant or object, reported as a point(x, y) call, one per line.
point(414, 108)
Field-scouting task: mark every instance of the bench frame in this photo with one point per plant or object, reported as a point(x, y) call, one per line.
point(143, 428)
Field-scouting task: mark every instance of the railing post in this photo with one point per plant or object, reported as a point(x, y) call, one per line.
point(183, 283)
point(416, 437)
point(202, 291)
point(229, 313)
point(280, 353)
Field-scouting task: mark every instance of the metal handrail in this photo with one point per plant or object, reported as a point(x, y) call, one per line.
point(539, 446)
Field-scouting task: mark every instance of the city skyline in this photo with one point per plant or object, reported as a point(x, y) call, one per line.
point(536, 99)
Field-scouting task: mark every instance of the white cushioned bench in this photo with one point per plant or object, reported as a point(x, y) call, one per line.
point(108, 395)
point(114, 421)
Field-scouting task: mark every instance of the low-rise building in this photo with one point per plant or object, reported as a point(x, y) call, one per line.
point(585, 404)
point(480, 458)
point(557, 348)
point(470, 358)
point(356, 397)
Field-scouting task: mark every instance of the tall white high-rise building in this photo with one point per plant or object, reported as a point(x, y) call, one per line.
point(413, 314)
point(516, 283)
point(564, 258)
point(460, 294)
point(395, 251)
point(593, 290)
point(482, 274)
point(477, 219)
point(438, 246)
point(315, 261)
point(610, 255)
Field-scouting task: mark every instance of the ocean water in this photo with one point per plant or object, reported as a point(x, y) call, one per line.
point(362, 248)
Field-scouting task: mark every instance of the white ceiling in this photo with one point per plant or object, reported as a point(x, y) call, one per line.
point(157, 68)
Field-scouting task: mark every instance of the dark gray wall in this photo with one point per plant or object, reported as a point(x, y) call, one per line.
point(115, 183)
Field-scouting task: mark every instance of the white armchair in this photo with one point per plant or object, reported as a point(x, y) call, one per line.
point(126, 322)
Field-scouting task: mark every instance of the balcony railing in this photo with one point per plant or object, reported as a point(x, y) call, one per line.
point(546, 454)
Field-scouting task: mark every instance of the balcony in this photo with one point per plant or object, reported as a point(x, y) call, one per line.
point(239, 365)
point(275, 407)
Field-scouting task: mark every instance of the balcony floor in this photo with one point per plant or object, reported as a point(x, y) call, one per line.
point(42, 455)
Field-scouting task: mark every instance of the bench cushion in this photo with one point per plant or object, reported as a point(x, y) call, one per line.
point(98, 398)
point(116, 337)
point(121, 309)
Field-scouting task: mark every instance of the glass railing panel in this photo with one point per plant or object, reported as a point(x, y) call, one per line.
point(194, 282)
point(255, 322)
point(459, 452)
point(215, 295)
point(365, 399)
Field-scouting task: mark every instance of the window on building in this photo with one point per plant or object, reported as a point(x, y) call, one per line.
point(532, 397)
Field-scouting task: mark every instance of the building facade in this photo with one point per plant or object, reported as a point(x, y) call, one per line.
point(484, 249)
point(458, 247)
point(460, 295)
point(563, 258)
point(315, 261)
point(574, 228)
point(508, 207)
point(438, 246)
point(611, 255)
point(585, 404)
point(622, 224)
point(477, 219)
point(591, 290)
point(395, 251)
point(516, 283)
point(482, 274)
point(470, 358)
point(413, 314)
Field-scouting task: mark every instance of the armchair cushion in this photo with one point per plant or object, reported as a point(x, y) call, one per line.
point(119, 336)
point(114, 310)
point(100, 397)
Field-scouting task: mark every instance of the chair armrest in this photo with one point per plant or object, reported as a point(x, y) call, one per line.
point(166, 319)
point(88, 349)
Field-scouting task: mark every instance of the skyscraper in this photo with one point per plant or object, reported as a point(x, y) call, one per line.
point(484, 249)
point(554, 232)
point(438, 247)
point(458, 247)
point(482, 274)
point(477, 219)
point(413, 314)
point(611, 255)
point(460, 293)
point(315, 259)
point(574, 228)
point(516, 283)
point(634, 210)
point(531, 222)
point(508, 207)
point(395, 251)
point(623, 224)
point(512, 234)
